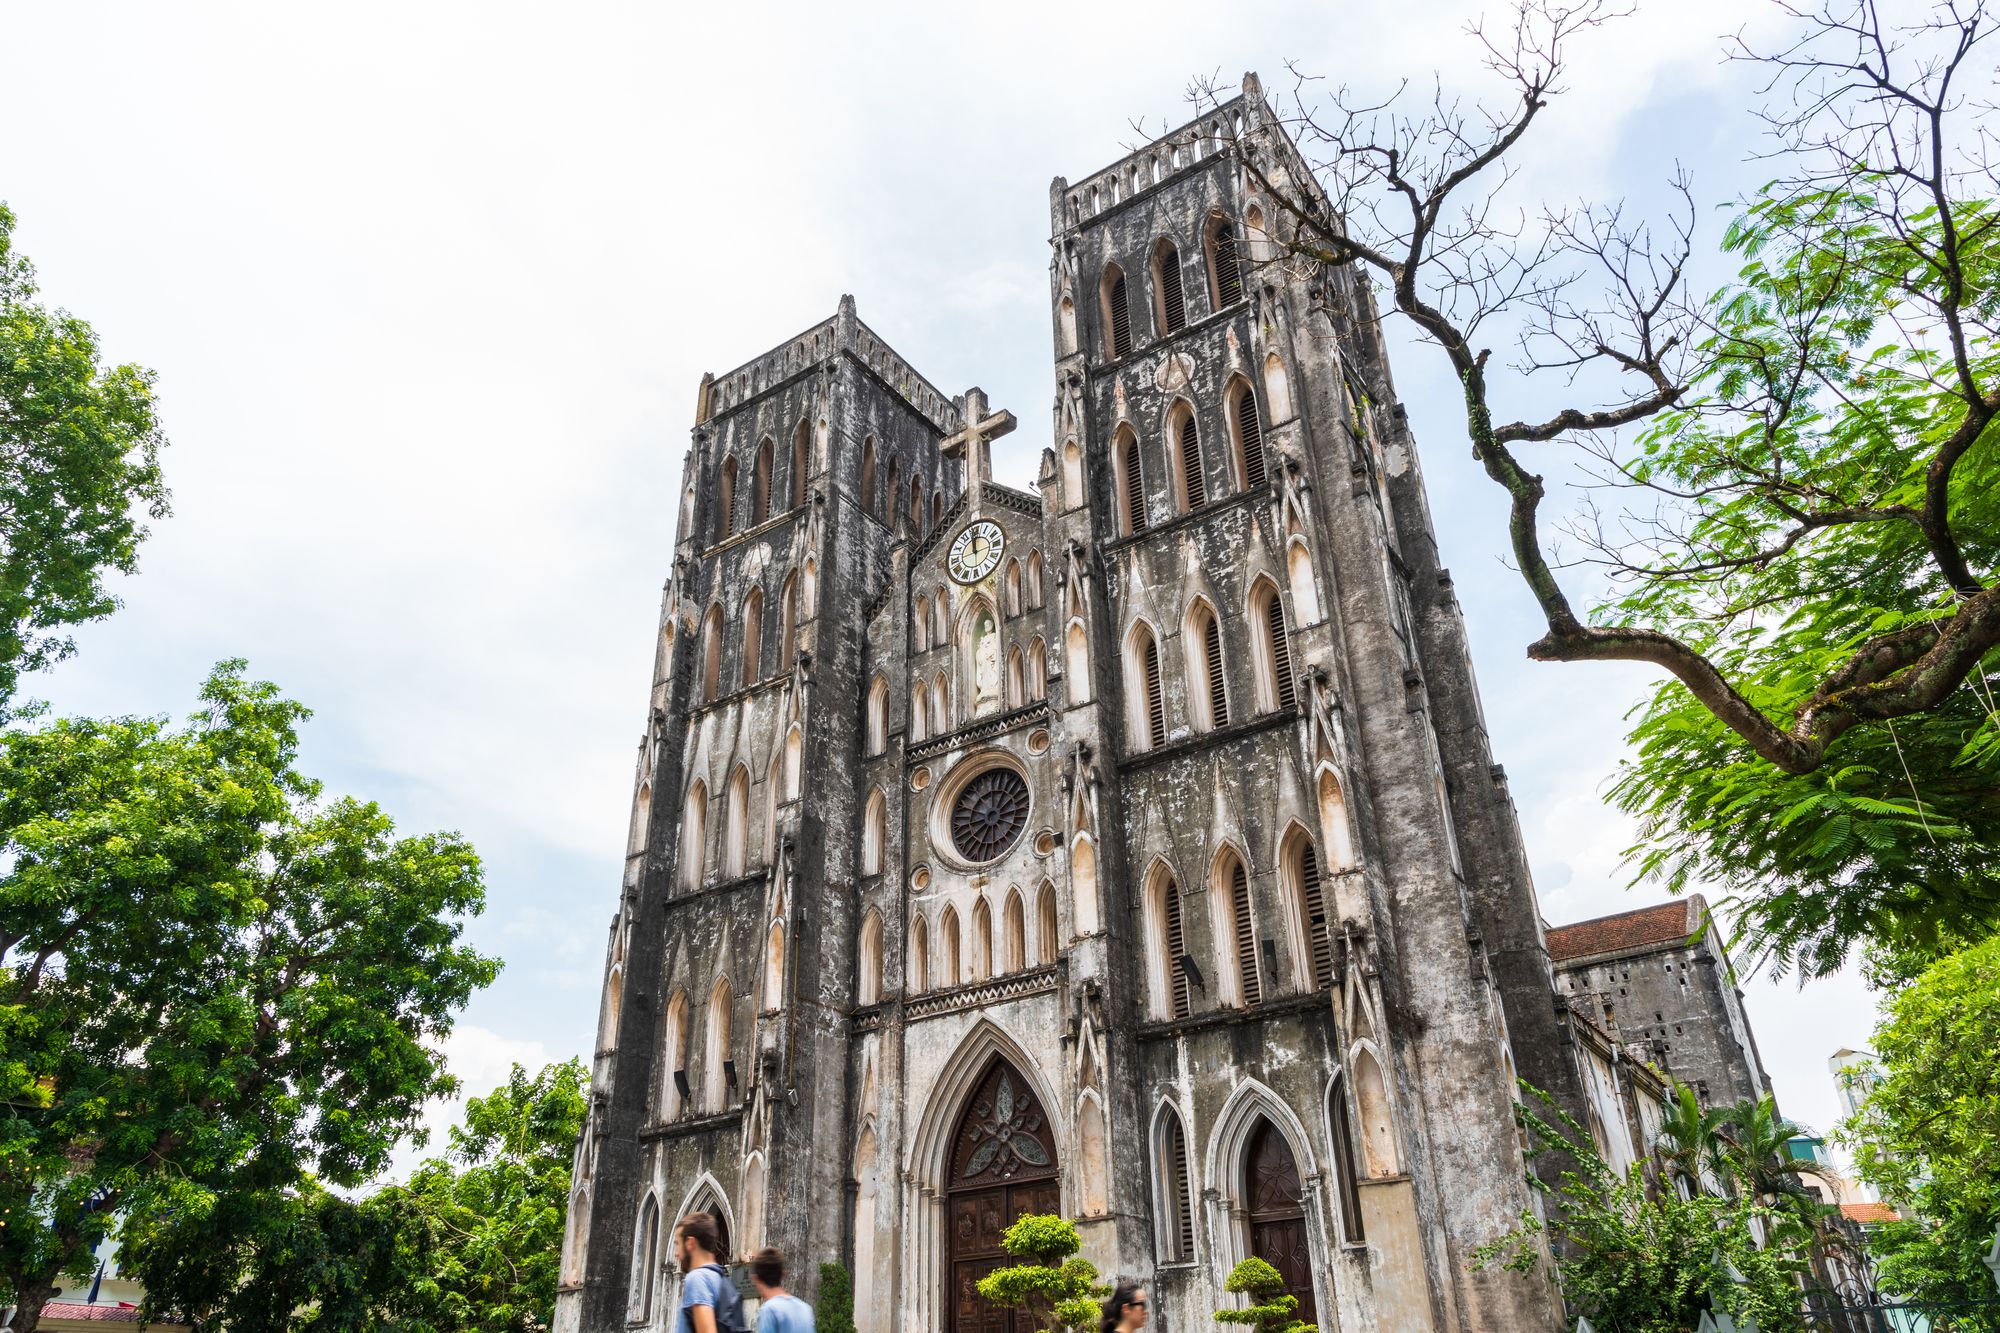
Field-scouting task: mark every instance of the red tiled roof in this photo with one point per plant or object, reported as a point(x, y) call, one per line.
point(120, 1313)
point(1668, 923)
point(1868, 1212)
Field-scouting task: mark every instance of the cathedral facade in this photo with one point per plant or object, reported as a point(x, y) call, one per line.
point(1130, 848)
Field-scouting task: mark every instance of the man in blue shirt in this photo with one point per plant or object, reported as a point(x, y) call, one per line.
point(709, 1303)
point(778, 1311)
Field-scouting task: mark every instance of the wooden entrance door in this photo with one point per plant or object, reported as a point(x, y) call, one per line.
point(1002, 1165)
point(1277, 1217)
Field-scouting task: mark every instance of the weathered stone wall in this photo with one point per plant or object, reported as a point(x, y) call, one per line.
point(1401, 1012)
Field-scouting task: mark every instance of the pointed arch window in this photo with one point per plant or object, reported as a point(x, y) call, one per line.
point(642, 819)
point(1034, 576)
point(868, 476)
point(801, 461)
point(774, 967)
point(1117, 314)
point(1192, 487)
point(1149, 713)
point(736, 823)
point(1225, 274)
point(694, 835)
point(1232, 892)
point(874, 832)
point(941, 703)
point(1017, 678)
point(1011, 588)
point(673, 1070)
point(1277, 387)
point(645, 1260)
point(1314, 927)
point(982, 940)
point(920, 956)
point(1170, 299)
point(1046, 929)
point(868, 986)
point(715, 1057)
point(1208, 693)
point(948, 974)
point(878, 716)
point(1171, 1182)
point(711, 655)
point(1340, 1127)
point(916, 509)
point(920, 624)
point(788, 623)
point(893, 516)
point(1171, 995)
point(1076, 655)
point(753, 637)
point(725, 501)
point(1277, 690)
point(760, 484)
point(1037, 684)
point(919, 713)
point(1014, 934)
point(1131, 481)
point(1248, 429)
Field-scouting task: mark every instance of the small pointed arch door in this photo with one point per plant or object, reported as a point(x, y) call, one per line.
point(1277, 1214)
point(1002, 1166)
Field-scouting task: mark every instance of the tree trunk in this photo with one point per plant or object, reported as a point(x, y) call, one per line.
point(30, 1295)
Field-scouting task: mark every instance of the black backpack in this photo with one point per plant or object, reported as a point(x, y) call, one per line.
point(728, 1310)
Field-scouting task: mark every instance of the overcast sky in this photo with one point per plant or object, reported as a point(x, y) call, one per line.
point(429, 289)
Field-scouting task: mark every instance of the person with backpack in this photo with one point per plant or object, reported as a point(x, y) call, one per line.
point(709, 1302)
point(778, 1311)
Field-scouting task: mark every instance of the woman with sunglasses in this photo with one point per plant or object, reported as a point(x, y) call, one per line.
point(1125, 1312)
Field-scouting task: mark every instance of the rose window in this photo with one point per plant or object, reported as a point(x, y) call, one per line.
point(989, 814)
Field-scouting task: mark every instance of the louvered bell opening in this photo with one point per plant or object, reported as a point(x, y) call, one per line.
point(1177, 977)
point(763, 487)
point(1228, 277)
point(1173, 301)
point(1252, 431)
point(1281, 654)
point(1156, 706)
point(1191, 481)
point(1177, 1181)
point(1246, 944)
point(1121, 319)
point(1318, 934)
point(1218, 698)
point(1135, 493)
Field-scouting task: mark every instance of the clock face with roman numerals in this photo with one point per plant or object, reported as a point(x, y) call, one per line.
point(975, 551)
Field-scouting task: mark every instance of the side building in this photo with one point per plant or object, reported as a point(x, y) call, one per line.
point(1659, 979)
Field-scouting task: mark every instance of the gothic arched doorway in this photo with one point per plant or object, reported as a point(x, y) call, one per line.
point(1002, 1165)
point(1277, 1216)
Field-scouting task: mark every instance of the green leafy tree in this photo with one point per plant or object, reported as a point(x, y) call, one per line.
point(1797, 514)
point(274, 1260)
point(213, 980)
point(1274, 1311)
point(1643, 1259)
point(1053, 1284)
point(1928, 1135)
point(495, 1204)
point(79, 467)
point(835, 1311)
point(472, 1243)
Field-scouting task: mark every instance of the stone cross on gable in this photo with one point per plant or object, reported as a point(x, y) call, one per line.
point(974, 438)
